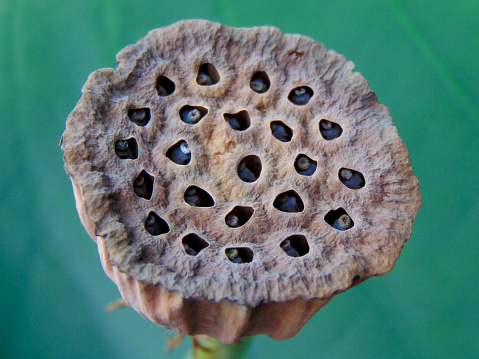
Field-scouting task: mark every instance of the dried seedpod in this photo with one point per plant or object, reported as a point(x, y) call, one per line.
point(236, 238)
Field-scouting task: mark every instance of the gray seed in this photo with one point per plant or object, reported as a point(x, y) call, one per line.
point(299, 91)
point(241, 166)
point(191, 192)
point(303, 163)
point(203, 79)
point(282, 198)
point(257, 85)
point(286, 245)
point(122, 146)
point(232, 253)
point(190, 250)
point(185, 148)
point(345, 221)
point(346, 174)
point(138, 115)
point(231, 220)
point(150, 221)
point(194, 115)
point(326, 124)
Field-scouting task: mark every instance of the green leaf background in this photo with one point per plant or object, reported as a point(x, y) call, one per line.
point(420, 57)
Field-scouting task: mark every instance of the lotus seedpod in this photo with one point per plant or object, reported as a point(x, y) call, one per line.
point(236, 179)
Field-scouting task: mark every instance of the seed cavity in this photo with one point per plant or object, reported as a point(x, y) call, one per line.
point(194, 244)
point(207, 75)
point(238, 216)
point(127, 149)
point(164, 86)
point(304, 165)
point(239, 121)
point(260, 82)
point(249, 168)
point(289, 202)
point(143, 185)
point(300, 96)
point(295, 245)
point(351, 178)
point(155, 225)
point(281, 131)
point(339, 219)
point(139, 116)
point(197, 197)
point(239, 255)
point(192, 114)
point(179, 153)
point(329, 130)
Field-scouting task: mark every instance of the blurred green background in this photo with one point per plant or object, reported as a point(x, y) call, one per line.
point(420, 57)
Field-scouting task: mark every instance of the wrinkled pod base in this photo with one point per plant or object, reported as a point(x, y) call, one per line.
point(224, 320)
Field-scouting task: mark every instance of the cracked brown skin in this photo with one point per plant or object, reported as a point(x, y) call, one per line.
point(274, 294)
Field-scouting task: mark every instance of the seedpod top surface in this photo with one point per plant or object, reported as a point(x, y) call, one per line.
point(187, 227)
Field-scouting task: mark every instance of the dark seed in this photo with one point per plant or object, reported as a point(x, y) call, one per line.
point(179, 153)
point(281, 131)
point(164, 86)
point(203, 79)
point(122, 150)
point(156, 225)
point(232, 221)
point(300, 96)
point(246, 175)
point(304, 165)
point(330, 130)
point(289, 202)
point(190, 250)
point(143, 185)
point(290, 251)
point(351, 179)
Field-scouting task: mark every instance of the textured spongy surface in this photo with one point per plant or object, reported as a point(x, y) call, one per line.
point(115, 211)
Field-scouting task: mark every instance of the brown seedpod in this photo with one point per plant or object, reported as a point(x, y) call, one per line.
point(235, 180)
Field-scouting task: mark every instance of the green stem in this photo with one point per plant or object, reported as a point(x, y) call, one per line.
point(205, 347)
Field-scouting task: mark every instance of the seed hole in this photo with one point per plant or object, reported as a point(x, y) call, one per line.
point(351, 178)
point(192, 114)
point(127, 149)
point(295, 246)
point(140, 116)
point(156, 225)
point(300, 96)
point(207, 75)
point(330, 130)
point(289, 202)
point(281, 131)
point(249, 168)
point(238, 216)
point(304, 165)
point(356, 280)
point(339, 219)
point(197, 197)
point(260, 82)
point(143, 185)
point(239, 121)
point(193, 244)
point(179, 153)
point(239, 254)
point(164, 86)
